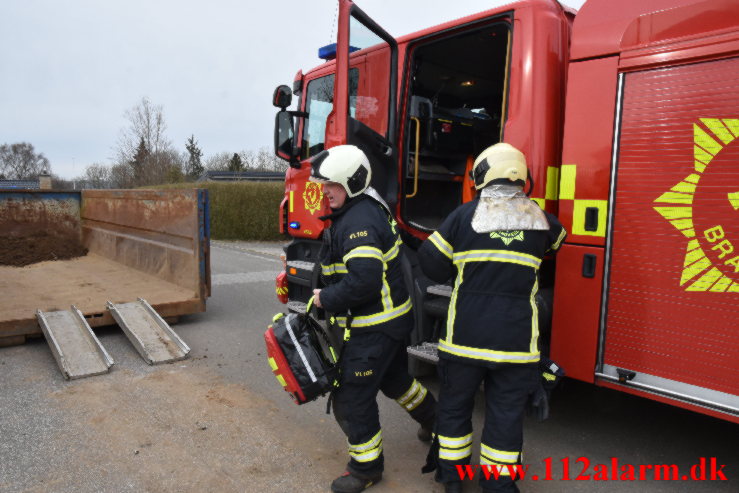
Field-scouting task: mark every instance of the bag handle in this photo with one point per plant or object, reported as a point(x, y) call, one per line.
point(309, 305)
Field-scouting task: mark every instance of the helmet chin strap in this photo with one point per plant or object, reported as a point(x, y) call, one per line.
point(531, 188)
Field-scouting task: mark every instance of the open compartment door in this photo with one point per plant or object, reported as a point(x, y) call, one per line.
point(364, 112)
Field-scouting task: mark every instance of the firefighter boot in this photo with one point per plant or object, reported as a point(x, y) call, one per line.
point(353, 483)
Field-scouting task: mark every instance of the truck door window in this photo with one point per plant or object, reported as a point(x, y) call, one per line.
point(318, 105)
point(370, 104)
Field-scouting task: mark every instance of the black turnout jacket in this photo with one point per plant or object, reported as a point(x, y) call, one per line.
point(360, 267)
point(492, 315)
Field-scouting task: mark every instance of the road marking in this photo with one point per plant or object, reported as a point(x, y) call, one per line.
point(243, 277)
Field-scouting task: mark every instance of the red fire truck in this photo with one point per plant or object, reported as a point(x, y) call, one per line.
point(628, 113)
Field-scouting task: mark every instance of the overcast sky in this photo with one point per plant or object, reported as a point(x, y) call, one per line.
point(69, 69)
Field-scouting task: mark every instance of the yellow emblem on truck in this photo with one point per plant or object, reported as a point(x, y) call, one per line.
point(312, 196)
point(704, 207)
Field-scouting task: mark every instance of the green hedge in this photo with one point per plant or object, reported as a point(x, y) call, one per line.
point(242, 210)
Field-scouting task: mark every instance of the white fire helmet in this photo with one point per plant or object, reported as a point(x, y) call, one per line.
point(500, 162)
point(346, 165)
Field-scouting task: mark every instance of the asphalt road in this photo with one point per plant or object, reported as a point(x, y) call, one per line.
point(219, 421)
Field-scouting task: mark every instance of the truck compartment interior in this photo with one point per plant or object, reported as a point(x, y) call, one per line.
point(454, 107)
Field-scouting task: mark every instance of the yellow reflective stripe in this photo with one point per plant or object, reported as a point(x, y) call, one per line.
point(491, 454)
point(533, 347)
point(393, 252)
point(488, 354)
point(410, 393)
point(497, 256)
point(455, 442)
point(549, 377)
point(455, 448)
point(363, 252)
point(384, 316)
point(387, 301)
point(281, 380)
point(371, 443)
point(441, 244)
point(415, 402)
point(272, 363)
point(366, 456)
point(337, 268)
point(447, 454)
point(451, 314)
point(561, 238)
point(367, 451)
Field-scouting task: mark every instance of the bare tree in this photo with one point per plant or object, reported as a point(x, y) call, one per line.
point(144, 147)
point(121, 176)
point(218, 162)
point(250, 160)
point(97, 176)
point(265, 160)
point(145, 122)
point(20, 161)
point(59, 183)
point(170, 168)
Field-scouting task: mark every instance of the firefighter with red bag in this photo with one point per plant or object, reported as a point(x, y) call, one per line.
point(492, 247)
point(365, 292)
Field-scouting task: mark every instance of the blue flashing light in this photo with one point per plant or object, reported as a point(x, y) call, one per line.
point(328, 52)
point(295, 225)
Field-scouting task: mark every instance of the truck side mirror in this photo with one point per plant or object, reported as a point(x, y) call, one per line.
point(283, 97)
point(284, 136)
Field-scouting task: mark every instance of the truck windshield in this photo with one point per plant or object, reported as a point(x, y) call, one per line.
point(319, 103)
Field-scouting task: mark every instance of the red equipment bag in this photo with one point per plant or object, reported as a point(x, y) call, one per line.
point(300, 355)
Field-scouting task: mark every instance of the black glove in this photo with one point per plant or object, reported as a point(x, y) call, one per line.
point(551, 374)
point(538, 403)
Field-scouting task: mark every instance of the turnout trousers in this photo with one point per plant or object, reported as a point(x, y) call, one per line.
point(507, 386)
point(374, 362)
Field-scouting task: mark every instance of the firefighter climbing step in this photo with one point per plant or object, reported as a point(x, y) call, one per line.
point(647, 186)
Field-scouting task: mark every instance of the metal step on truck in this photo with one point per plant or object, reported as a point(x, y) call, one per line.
point(145, 260)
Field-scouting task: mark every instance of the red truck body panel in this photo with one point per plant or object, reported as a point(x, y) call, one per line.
point(659, 156)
